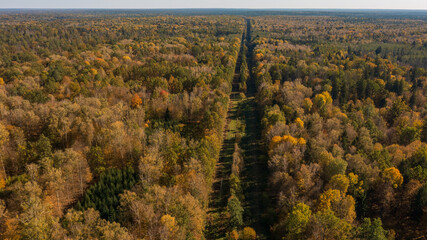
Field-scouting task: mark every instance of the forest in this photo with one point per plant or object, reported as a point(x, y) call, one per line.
point(344, 120)
point(208, 125)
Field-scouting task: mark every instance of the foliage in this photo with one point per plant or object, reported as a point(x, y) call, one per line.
point(235, 209)
point(355, 103)
point(393, 176)
point(372, 230)
point(341, 100)
point(297, 221)
point(248, 233)
point(104, 195)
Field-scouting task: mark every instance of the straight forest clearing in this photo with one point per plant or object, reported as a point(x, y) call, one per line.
point(243, 122)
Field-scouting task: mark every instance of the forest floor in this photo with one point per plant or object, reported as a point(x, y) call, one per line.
point(242, 114)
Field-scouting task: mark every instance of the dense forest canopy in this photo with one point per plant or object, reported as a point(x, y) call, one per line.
point(344, 104)
point(113, 124)
point(82, 96)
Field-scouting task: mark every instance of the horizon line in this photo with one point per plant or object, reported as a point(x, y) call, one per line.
point(202, 8)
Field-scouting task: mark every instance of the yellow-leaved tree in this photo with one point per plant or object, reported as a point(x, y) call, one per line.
point(393, 176)
point(136, 101)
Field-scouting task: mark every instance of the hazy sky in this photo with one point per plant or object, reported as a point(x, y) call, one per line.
point(359, 4)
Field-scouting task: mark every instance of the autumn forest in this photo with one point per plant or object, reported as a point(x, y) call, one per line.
point(158, 125)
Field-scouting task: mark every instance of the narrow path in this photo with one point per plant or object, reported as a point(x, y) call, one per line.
point(254, 177)
point(217, 221)
point(255, 174)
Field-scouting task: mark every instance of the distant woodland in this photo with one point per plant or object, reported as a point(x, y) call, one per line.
point(111, 125)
